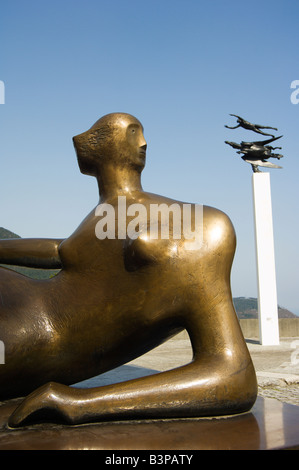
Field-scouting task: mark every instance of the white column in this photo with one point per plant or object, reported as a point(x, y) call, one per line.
point(267, 294)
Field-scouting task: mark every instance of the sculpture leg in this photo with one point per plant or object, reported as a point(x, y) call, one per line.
point(258, 131)
point(267, 127)
point(220, 380)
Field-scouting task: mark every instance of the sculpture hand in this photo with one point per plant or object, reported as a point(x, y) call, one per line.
point(48, 398)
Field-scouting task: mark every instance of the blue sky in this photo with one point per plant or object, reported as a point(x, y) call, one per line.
point(180, 66)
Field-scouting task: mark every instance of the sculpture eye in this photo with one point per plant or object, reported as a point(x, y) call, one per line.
point(133, 131)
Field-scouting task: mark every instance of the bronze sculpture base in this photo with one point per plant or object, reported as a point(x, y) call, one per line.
point(269, 425)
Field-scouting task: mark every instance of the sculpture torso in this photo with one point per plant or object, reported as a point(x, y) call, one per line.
point(128, 295)
point(113, 300)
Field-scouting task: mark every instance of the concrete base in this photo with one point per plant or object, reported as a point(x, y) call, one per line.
point(269, 425)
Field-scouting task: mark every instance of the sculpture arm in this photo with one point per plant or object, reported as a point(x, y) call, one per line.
point(228, 127)
point(188, 391)
point(31, 252)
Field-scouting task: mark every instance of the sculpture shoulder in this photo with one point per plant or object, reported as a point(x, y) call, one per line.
point(218, 229)
point(213, 216)
point(215, 232)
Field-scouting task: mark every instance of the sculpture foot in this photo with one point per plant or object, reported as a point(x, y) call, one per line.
point(43, 402)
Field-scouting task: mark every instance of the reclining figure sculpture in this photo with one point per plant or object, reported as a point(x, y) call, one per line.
point(115, 299)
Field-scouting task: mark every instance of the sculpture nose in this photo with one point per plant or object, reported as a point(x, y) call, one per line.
point(143, 144)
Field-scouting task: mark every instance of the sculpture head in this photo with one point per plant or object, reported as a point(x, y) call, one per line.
point(115, 139)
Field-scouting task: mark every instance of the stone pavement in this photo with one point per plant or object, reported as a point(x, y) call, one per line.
point(277, 367)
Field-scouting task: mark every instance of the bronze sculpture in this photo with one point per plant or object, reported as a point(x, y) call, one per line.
point(249, 126)
point(116, 298)
point(256, 153)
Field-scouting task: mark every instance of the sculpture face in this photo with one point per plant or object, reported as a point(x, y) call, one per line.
point(136, 145)
point(115, 138)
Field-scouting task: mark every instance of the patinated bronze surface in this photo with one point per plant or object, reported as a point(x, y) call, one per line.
point(116, 298)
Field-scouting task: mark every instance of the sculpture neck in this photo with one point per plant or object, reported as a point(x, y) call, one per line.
point(114, 182)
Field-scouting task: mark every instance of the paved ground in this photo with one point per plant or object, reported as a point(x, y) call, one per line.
point(285, 393)
point(277, 367)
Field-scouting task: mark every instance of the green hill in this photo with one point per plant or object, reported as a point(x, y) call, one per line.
point(7, 233)
point(247, 307)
